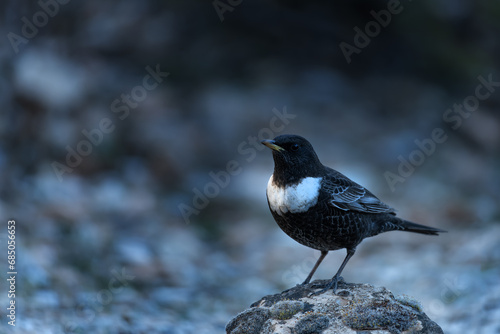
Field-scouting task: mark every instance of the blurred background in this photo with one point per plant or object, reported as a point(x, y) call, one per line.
point(130, 156)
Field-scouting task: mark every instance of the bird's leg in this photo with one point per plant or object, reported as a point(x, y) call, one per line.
point(333, 283)
point(308, 279)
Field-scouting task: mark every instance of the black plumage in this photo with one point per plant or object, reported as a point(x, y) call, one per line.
point(322, 208)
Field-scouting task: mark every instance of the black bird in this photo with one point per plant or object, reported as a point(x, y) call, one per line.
point(323, 209)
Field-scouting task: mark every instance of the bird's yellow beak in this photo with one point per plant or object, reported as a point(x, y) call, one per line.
point(271, 144)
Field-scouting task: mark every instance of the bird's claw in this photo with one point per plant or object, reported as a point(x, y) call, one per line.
point(332, 284)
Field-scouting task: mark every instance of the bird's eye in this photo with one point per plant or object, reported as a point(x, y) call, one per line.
point(294, 147)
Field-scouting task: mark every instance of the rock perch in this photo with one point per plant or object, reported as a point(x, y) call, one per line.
point(353, 309)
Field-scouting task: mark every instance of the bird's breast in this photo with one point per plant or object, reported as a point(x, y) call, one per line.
point(294, 198)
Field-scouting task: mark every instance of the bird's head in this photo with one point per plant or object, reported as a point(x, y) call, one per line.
point(294, 157)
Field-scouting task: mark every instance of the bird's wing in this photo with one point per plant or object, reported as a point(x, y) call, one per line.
point(349, 196)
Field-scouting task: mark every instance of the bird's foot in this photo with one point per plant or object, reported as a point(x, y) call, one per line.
point(332, 284)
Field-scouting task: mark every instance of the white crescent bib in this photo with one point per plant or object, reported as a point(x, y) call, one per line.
point(297, 198)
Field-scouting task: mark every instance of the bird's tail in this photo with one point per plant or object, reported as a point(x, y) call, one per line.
point(417, 228)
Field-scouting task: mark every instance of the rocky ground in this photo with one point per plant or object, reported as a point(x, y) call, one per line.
point(353, 308)
point(172, 280)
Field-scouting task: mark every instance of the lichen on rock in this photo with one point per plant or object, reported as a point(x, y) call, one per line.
point(354, 308)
